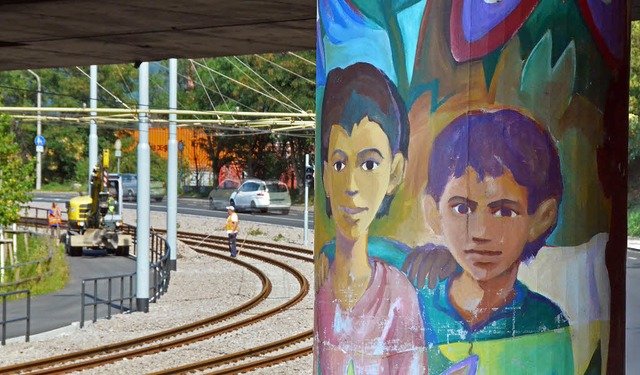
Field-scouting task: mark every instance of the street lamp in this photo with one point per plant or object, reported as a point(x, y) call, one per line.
point(38, 133)
point(118, 152)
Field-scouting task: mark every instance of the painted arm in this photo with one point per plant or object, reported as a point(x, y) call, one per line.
point(429, 262)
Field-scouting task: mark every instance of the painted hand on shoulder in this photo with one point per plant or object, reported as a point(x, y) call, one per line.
point(321, 270)
point(429, 262)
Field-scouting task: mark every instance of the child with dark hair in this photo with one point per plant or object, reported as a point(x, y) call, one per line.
point(496, 184)
point(367, 316)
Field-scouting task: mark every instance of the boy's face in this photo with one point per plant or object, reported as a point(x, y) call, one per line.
point(485, 223)
point(358, 175)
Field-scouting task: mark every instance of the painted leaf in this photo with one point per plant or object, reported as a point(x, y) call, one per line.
point(377, 10)
point(478, 27)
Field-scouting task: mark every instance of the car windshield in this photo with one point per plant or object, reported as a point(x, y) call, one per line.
point(277, 187)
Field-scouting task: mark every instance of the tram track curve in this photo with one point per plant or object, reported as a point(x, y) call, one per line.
point(210, 246)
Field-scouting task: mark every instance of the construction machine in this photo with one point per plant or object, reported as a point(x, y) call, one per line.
point(95, 220)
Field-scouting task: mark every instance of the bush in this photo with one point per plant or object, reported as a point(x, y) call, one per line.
point(634, 138)
point(633, 221)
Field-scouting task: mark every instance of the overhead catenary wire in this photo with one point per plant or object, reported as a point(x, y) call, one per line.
point(224, 100)
point(237, 103)
point(287, 70)
point(242, 84)
point(206, 92)
point(268, 83)
point(118, 100)
point(301, 58)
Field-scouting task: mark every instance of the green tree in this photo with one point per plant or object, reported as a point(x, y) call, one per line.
point(16, 175)
point(634, 96)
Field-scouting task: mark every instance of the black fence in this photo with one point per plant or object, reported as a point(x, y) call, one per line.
point(102, 295)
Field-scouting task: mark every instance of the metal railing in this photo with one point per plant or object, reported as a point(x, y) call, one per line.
point(26, 317)
point(95, 301)
point(159, 278)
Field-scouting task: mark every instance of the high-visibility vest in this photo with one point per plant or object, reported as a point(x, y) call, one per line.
point(54, 217)
point(230, 222)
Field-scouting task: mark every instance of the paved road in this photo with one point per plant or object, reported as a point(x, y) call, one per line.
point(633, 312)
point(200, 207)
point(62, 308)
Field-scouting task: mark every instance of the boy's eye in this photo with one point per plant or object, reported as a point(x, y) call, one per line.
point(338, 166)
point(462, 209)
point(370, 165)
point(505, 212)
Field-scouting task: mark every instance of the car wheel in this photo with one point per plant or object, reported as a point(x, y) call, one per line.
point(253, 207)
point(158, 199)
point(212, 204)
point(285, 211)
point(233, 203)
point(131, 196)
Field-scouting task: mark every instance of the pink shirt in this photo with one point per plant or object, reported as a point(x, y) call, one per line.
point(382, 334)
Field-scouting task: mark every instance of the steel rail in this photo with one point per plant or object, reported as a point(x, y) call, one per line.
point(118, 347)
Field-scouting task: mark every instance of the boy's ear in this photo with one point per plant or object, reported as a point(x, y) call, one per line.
point(544, 218)
point(431, 213)
point(397, 173)
point(325, 179)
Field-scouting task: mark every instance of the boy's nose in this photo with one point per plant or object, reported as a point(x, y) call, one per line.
point(477, 228)
point(351, 188)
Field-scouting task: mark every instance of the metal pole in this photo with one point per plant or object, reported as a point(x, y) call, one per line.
point(172, 167)
point(93, 127)
point(306, 201)
point(38, 132)
point(143, 195)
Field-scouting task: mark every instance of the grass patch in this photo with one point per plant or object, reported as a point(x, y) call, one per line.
point(633, 221)
point(40, 277)
point(279, 237)
point(66, 187)
point(255, 232)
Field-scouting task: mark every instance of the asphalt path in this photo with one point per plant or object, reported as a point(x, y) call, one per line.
point(62, 308)
point(200, 207)
point(633, 312)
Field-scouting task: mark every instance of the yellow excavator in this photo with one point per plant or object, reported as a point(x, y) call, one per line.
point(95, 220)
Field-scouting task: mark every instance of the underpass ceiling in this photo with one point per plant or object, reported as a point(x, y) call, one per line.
point(55, 33)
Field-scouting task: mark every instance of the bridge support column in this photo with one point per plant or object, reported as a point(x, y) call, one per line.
point(143, 194)
point(172, 166)
point(471, 208)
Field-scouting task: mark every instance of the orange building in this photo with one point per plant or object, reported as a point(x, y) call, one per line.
point(193, 151)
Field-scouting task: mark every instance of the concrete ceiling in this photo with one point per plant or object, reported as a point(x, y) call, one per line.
point(55, 33)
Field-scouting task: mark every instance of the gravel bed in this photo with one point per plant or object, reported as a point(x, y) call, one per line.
point(201, 287)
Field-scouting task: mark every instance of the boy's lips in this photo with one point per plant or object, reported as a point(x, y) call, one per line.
point(482, 255)
point(352, 210)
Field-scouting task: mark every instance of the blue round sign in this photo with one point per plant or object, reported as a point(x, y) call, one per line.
point(39, 140)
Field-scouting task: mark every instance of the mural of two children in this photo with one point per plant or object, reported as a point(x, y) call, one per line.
point(452, 173)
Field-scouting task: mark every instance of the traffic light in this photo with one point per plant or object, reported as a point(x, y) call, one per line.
point(308, 174)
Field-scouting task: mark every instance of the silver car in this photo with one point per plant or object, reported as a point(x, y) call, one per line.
point(157, 188)
point(252, 195)
point(279, 197)
point(219, 196)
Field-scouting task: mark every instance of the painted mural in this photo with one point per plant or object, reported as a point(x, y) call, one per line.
point(463, 185)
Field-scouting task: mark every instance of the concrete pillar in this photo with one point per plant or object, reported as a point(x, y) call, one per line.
point(143, 194)
point(172, 166)
point(93, 127)
point(471, 202)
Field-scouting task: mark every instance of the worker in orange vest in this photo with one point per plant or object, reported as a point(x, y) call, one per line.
point(55, 220)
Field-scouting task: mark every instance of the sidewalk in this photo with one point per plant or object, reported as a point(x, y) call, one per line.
point(633, 243)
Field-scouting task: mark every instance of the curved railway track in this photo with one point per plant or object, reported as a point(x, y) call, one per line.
point(214, 246)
